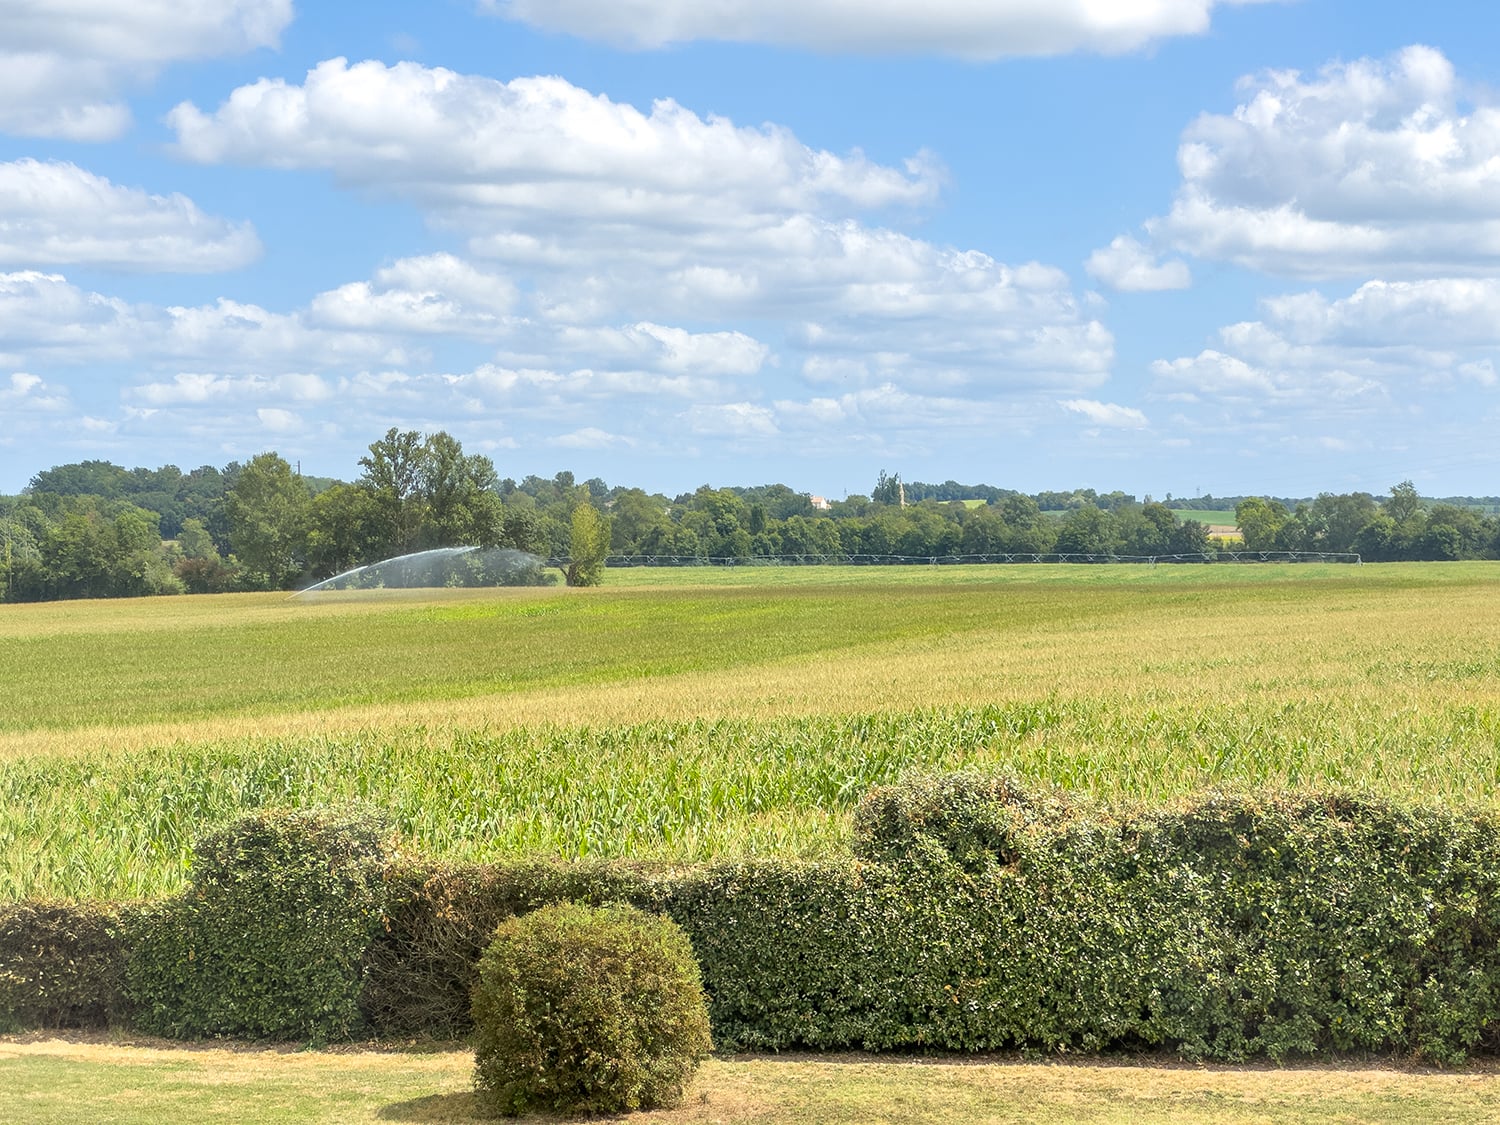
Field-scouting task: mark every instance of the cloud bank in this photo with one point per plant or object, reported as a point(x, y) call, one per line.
point(968, 29)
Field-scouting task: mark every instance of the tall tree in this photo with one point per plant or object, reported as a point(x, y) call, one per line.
point(393, 475)
point(268, 516)
point(588, 546)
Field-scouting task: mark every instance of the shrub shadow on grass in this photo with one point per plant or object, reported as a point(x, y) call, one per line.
point(461, 1109)
point(434, 1107)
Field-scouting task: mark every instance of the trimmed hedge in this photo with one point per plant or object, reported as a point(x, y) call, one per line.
point(440, 918)
point(977, 913)
point(62, 965)
point(267, 942)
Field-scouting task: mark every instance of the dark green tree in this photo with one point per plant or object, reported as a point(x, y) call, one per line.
point(268, 512)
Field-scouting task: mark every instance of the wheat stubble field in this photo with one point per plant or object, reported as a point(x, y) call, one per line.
point(684, 715)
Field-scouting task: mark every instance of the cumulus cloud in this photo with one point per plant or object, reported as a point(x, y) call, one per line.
point(1107, 413)
point(1385, 339)
point(24, 393)
point(463, 143)
point(438, 293)
point(1128, 266)
point(197, 389)
point(64, 63)
point(607, 215)
point(663, 348)
point(591, 437)
point(45, 315)
point(55, 213)
point(279, 421)
point(1213, 375)
point(972, 29)
point(1371, 166)
point(731, 420)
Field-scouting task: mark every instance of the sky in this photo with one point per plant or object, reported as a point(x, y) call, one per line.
point(1173, 247)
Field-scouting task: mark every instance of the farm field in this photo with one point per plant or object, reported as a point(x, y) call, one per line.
point(685, 714)
point(57, 1081)
point(1218, 516)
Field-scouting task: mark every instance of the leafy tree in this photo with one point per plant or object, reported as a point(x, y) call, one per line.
point(453, 487)
point(588, 546)
point(888, 490)
point(83, 478)
point(393, 475)
point(637, 521)
point(268, 512)
point(1260, 522)
point(20, 561)
point(202, 569)
point(1086, 531)
point(1335, 519)
point(1404, 504)
point(344, 524)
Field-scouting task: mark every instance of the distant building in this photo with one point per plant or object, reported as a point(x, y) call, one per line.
point(820, 503)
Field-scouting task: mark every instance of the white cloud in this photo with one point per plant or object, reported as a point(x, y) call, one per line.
point(24, 392)
point(972, 29)
point(438, 293)
point(45, 315)
point(1372, 166)
point(1384, 339)
point(1128, 266)
point(55, 213)
point(188, 388)
point(605, 215)
point(278, 421)
point(731, 420)
point(461, 143)
point(63, 63)
point(1441, 313)
point(1107, 413)
point(657, 347)
point(591, 437)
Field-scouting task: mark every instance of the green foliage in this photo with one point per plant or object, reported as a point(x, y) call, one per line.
point(980, 913)
point(268, 511)
point(587, 546)
point(62, 965)
point(421, 969)
point(1231, 927)
point(598, 1009)
point(267, 941)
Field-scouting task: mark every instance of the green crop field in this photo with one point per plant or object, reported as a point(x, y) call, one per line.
point(1218, 516)
point(685, 714)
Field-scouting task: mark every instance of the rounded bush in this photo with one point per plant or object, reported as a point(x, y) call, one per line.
point(595, 1009)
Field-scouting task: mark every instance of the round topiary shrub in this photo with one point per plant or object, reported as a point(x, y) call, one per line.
point(597, 1009)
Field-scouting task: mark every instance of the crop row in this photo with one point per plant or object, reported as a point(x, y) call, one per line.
point(120, 824)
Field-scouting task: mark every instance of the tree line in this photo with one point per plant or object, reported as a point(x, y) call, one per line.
point(95, 529)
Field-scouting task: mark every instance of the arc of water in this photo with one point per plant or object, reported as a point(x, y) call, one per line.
point(432, 554)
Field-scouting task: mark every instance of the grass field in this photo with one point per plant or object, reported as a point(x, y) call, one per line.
point(53, 1082)
point(694, 713)
point(1222, 516)
point(679, 714)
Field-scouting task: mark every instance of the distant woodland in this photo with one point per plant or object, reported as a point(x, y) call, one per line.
point(95, 529)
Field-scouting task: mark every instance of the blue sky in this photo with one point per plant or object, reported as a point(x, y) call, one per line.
point(1169, 246)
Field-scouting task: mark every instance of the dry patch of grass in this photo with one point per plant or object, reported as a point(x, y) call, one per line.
point(56, 1080)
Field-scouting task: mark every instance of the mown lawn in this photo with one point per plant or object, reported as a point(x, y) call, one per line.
point(56, 1082)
